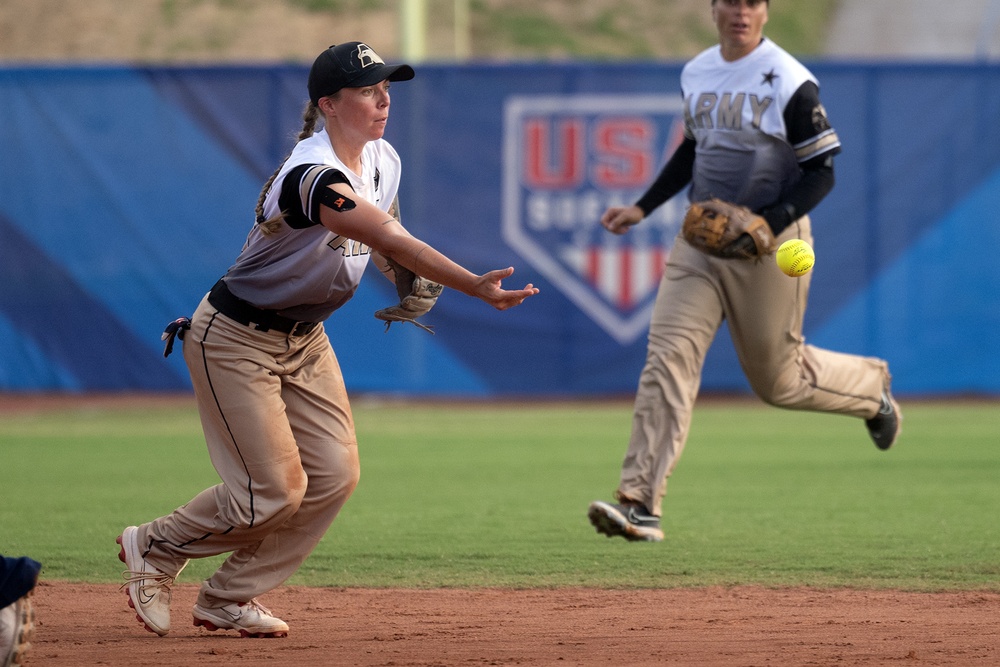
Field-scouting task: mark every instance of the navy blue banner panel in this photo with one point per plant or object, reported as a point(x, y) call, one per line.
point(125, 193)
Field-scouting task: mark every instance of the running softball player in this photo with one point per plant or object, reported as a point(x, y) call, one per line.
point(272, 400)
point(757, 135)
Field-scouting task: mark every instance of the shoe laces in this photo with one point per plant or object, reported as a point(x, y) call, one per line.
point(158, 580)
point(254, 605)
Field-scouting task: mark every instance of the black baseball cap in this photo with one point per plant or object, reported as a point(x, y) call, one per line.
point(351, 65)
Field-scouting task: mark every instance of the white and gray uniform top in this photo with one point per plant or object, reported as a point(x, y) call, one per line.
point(736, 111)
point(304, 271)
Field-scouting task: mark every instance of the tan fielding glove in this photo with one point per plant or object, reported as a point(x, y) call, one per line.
point(416, 296)
point(726, 230)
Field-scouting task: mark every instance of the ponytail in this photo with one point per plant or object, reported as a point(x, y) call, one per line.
point(310, 118)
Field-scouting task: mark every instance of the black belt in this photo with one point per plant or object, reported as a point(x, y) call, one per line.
point(250, 315)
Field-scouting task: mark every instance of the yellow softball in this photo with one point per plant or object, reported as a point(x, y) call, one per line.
point(795, 258)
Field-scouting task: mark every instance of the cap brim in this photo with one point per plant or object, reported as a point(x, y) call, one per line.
point(373, 75)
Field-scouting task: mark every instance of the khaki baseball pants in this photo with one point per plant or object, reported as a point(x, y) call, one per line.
point(280, 434)
point(764, 310)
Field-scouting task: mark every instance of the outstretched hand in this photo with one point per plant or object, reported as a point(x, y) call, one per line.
point(489, 290)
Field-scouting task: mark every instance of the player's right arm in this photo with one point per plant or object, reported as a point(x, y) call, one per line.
point(674, 176)
point(344, 213)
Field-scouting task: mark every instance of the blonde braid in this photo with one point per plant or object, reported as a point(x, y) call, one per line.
point(310, 117)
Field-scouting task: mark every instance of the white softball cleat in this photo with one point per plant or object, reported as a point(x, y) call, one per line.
point(251, 619)
point(148, 588)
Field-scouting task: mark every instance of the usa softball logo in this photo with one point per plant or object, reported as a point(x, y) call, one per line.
point(566, 159)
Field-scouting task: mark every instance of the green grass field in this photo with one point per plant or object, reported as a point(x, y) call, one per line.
point(472, 495)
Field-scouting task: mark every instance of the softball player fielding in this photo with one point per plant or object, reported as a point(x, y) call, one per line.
point(273, 405)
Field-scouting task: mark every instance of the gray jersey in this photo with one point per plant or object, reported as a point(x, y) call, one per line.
point(306, 273)
point(736, 113)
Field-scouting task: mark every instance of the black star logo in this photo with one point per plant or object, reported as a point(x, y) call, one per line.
point(769, 77)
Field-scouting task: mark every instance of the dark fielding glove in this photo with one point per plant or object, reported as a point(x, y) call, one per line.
point(726, 230)
point(416, 296)
point(175, 329)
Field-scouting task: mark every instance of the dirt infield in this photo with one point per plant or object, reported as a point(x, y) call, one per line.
point(87, 624)
point(80, 624)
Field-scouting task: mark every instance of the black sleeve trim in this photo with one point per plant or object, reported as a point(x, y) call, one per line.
point(807, 125)
point(302, 193)
point(676, 174)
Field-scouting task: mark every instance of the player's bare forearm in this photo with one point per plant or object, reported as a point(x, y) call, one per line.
point(428, 262)
point(425, 261)
point(419, 257)
point(367, 224)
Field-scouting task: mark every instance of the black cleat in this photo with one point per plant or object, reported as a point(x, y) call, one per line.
point(885, 426)
point(629, 520)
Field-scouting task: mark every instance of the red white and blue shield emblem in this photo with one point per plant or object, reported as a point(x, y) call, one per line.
point(566, 159)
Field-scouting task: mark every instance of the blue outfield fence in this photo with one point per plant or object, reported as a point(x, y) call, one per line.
point(126, 192)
